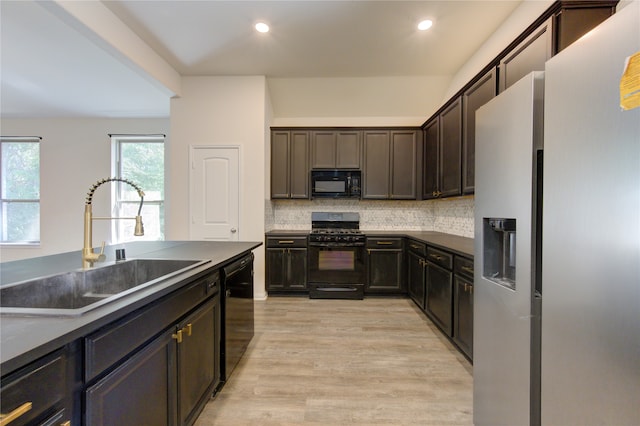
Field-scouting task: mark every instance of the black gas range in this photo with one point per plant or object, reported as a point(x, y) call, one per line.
point(336, 256)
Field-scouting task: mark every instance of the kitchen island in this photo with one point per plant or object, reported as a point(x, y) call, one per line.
point(90, 353)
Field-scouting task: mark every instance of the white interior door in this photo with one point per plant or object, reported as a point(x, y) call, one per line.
point(214, 193)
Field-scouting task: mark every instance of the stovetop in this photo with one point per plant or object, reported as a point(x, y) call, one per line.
point(332, 227)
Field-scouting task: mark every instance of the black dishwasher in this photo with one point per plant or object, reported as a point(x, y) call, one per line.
point(237, 313)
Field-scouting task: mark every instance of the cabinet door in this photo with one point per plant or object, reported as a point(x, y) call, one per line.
point(348, 149)
point(439, 301)
point(530, 55)
point(430, 160)
point(280, 164)
point(477, 95)
point(574, 21)
point(450, 157)
point(197, 363)
point(296, 264)
point(299, 165)
point(275, 269)
point(416, 278)
point(463, 315)
point(384, 271)
point(404, 146)
point(376, 165)
point(323, 149)
point(43, 384)
point(142, 391)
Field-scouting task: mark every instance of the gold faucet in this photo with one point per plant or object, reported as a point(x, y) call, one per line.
point(89, 257)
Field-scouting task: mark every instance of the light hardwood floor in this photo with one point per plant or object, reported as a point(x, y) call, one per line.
point(377, 361)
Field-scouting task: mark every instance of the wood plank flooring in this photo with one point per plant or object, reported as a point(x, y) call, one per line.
point(377, 361)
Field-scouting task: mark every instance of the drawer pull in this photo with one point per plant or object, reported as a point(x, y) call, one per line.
point(285, 241)
point(384, 243)
point(67, 423)
point(415, 246)
point(436, 256)
point(5, 419)
point(467, 269)
point(177, 336)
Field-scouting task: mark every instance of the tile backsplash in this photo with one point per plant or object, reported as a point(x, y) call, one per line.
point(452, 215)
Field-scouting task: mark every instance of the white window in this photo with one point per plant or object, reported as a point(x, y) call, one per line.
point(20, 190)
point(139, 159)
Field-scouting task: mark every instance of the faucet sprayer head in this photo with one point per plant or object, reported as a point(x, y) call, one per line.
point(139, 229)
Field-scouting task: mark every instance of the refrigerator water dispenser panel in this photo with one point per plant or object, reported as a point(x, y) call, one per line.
point(500, 251)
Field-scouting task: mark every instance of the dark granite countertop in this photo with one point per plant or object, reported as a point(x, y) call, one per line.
point(26, 338)
point(454, 243)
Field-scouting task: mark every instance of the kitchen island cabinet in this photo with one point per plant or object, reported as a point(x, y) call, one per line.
point(39, 393)
point(162, 341)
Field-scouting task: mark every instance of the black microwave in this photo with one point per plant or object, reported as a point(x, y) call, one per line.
point(335, 183)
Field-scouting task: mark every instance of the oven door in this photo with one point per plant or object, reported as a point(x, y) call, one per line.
point(336, 263)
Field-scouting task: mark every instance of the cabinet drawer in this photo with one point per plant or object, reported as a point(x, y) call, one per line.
point(287, 241)
point(106, 347)
point(464, 267)
point(384, 243)
point(441, 258)
point(37, 390)
point(417, 248)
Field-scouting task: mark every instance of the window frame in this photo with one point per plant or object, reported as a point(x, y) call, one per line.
point(116, 190)
point(5, 201)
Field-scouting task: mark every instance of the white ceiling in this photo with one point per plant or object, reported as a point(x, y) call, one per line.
point(49, 68)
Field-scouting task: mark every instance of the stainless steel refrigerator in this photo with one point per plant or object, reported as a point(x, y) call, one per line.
point(557, 239)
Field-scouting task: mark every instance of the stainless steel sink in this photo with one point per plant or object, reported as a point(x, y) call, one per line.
point(77, 292)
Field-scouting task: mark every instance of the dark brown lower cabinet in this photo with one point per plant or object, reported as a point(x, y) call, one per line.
point(463, 305)
point(385, 266)
point(142, 391)
point(463, 315)
point(439, 296)
point(38, 393)
point(198, 371)
point(286, 264)
point(167, 382)
point(416, 272)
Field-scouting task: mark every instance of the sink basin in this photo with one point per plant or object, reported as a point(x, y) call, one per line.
point(76, 292)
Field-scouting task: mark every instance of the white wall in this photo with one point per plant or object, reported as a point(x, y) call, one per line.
point(371, 101)
point(220, 111)
point(74, 154)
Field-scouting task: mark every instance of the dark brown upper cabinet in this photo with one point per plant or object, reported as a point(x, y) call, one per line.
point(450, 149)
point(443, 148)
point(481, 92)
point(335, 149)
point(390, 164)
point(290, 164)
point(530, 55)
point(430, 161)
point(575, 19)
point(563, 23)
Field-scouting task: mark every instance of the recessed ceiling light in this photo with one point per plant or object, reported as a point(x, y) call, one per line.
point(261, 27)
point(425, 25)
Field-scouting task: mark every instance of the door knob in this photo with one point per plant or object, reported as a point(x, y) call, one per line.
point(234, 230)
